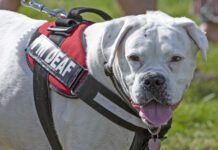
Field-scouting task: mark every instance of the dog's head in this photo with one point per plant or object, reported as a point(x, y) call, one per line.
point(153, 57)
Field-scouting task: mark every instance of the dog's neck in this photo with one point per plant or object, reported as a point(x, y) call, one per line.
point(95, 58)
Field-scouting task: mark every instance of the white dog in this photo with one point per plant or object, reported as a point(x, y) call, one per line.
point(153, 57)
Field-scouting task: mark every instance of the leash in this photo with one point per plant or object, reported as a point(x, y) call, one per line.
point(41, 8)
point(58, 33)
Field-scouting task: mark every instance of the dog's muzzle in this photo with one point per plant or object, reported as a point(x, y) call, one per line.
point(155, 86)
point(154, 108)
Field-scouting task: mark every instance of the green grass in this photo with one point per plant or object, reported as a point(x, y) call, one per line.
point(195, 121)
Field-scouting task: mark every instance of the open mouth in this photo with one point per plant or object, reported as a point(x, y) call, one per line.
point(154, 113)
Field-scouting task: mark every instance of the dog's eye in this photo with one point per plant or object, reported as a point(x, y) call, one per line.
point(176, 59)
point(134, 58)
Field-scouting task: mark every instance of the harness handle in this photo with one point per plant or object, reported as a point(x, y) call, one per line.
point(75, 13)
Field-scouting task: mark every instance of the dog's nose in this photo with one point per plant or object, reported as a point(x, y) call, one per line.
point(154, 81)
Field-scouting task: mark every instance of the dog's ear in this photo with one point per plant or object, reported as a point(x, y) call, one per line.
point(196, 34)
point(113, 34)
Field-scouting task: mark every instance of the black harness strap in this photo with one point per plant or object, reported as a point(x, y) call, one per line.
point(88, 96)
point(43, 105)
point(140, 141)
point(42, 97)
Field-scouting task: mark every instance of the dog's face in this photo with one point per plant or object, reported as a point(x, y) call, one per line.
point(154, 61)
point(160, 63)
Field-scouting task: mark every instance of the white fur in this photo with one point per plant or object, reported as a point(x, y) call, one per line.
point(78, 126)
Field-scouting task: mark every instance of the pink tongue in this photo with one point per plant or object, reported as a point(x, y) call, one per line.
point(156, 113)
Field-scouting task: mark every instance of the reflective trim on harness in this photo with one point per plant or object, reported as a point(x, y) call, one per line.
point(109, 104)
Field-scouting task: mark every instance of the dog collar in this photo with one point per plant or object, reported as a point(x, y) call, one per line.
point(56, 50)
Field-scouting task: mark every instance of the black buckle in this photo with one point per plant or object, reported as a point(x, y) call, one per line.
point(77, 79)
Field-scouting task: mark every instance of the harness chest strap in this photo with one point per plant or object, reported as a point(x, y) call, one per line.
point(67, 71)
point(43, 106)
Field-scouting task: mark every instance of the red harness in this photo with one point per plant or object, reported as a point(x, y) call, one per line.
point(72, 46)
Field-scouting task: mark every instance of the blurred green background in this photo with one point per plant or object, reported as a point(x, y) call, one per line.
point(195, 124)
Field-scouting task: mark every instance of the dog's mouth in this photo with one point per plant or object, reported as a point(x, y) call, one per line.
point(154, 114)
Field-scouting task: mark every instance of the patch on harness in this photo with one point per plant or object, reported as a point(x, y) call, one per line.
point(56, 62)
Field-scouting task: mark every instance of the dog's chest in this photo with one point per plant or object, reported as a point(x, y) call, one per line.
point(81, 127)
